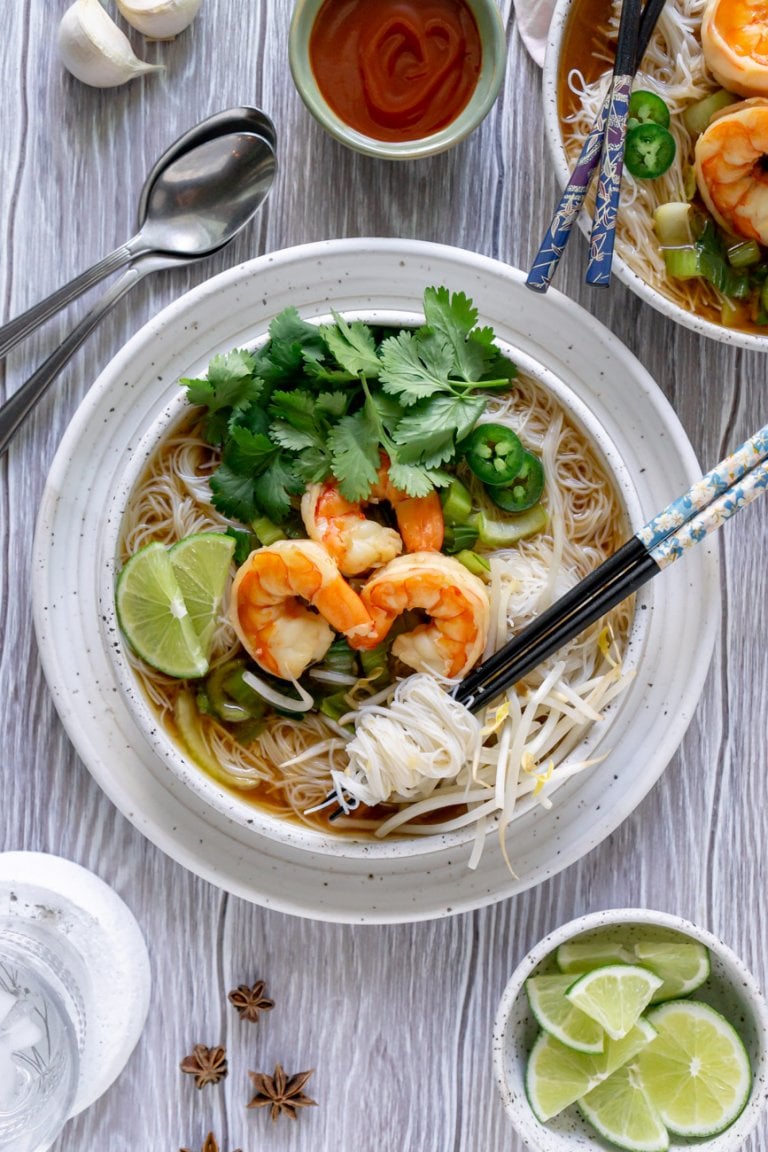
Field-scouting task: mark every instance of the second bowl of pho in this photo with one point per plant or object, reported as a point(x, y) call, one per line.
point(692, 232)
point(328, 510)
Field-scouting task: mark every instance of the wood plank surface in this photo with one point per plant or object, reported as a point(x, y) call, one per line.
point(396, 1020)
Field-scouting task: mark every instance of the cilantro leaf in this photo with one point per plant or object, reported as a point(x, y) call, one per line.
point(415, 366)
point(355, 456)
point(416, 480)
point(431, 429)
point(274, 487)
point(233, 493)
point(230, 387)
point(353, 346)
point(313, 464)
point(296, 408)
point(248, 452)
point(332, 404)
point(454, 316)
point(294, 439)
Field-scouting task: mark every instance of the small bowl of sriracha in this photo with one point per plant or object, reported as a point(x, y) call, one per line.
point(632, 1029)
point(397, 79)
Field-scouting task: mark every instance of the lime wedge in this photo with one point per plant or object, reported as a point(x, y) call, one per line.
point(584, 955)
point(682, 966)
point(201, 565)
point(154, 617)
point(620, 1110)
point(556, 1015)
point(696, 1072)
point(614, 996)
point(556, 1076)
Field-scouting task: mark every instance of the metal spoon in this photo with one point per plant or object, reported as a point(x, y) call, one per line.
point(157, 212)
point(240, 119)
point(206, 196)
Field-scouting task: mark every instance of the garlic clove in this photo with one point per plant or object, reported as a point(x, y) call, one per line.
point(94, 50)
point(159, 19)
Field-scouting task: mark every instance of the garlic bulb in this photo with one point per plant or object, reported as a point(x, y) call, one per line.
point(159, 19)
point(93, 48)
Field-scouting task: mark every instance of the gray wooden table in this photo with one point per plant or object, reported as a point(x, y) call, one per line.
point(395, 1020)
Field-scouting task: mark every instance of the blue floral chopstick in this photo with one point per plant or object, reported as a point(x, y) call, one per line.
point(603, 233)
point(707, 504)
point(565, 216)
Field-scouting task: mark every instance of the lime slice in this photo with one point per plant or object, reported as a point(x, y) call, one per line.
point(614, 995)
point(582, 956)
point(620, 1110)
point(201, 565)
point(154, 617)
point(556, 1076)
point(682, 966)
point(556, 1015)
point(696, 1072)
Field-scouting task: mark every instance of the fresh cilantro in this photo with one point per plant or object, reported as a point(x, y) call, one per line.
point(355, 457)
point(331, 400)
point(353, 345)
point(414, 366)
point(231, 386)
point(434, 426)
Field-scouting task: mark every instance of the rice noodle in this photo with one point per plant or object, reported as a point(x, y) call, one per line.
point(434, 766)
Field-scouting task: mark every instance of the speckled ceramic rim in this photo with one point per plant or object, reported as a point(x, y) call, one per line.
point(661, 303)
point(228, 803)
point(491, 28)
point(731, 985)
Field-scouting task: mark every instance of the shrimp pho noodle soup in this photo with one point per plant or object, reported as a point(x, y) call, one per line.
point(696, 232)
point(387, 508)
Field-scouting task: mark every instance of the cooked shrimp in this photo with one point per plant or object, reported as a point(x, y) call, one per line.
point(358, 544)
point(282, 634)
point(729, 169)
point(457, 602)
point(734, 38)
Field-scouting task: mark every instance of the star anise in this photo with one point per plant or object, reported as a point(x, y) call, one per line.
point(249, 1002)
point(280, 1093)
point(210, 1145)
point(207, 1065)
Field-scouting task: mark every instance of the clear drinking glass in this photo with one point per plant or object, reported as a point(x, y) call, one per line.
point(41, 1031)
point(74, 994)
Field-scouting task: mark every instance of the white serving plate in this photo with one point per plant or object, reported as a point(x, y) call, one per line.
point(679, 610)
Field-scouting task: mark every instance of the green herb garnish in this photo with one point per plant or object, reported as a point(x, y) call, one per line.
point(327, 400)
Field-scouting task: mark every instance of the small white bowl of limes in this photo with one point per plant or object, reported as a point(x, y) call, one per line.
point(632, 1029)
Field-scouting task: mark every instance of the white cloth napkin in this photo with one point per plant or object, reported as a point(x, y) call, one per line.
point(533, 18)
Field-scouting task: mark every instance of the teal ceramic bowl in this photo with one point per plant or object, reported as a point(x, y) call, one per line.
point(494, 51)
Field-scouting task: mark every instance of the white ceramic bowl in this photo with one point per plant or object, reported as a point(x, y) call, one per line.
point(214, 833)
point(730, 988)
point(755, 341)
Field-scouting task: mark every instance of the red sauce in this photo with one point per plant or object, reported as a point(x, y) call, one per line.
point(396, 69)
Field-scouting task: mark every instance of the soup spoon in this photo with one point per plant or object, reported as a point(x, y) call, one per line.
point(205, 196)
point(157, 216)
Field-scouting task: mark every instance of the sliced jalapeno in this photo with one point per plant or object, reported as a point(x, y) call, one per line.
point(649, 150)
point(526, 488)
point(648, 108)
point(493, 452)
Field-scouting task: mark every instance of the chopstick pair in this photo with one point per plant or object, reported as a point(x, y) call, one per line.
point(723, 491)
point(604, 145)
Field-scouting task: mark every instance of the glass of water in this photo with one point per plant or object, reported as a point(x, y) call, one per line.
point(41, 1032)
point(74, 994)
